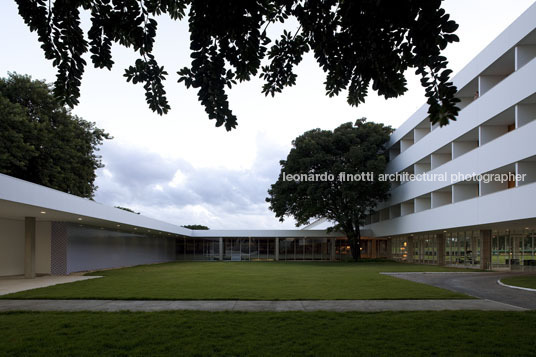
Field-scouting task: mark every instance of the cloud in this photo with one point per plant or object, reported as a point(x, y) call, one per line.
point(174, 190)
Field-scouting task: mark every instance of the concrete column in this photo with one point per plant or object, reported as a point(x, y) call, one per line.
point(419, 250)
point(485, 249)
point(440, 241)
point(276, 249)
point(389, 248)
point(474, 248)
point(221, 248)
point(29, 247)
point(516, 252)
point(410, 249)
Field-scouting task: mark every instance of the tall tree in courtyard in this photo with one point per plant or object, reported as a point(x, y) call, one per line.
point(43, 142)
point(359, 44)
point(337, 176)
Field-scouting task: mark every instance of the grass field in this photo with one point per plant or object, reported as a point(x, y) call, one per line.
point(526, 281)
point(445, 333)
point(249, 281)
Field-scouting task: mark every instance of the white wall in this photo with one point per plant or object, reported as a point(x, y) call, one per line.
point(92, 249)
point(407, 207)
point(490, 132)
point(524, 113)
point(421, 168)
point(395, 211)
point(462, 147)
point(440, 198)
point(524, 54)
point(419, 133)
point(527, 168)
point(422, 203)
point(485, 83)
point(405, 144)
point(11, 247)
point(491, 187)
point(384, 214)
point(439, 159)
point(42, 247)
point(464, 191)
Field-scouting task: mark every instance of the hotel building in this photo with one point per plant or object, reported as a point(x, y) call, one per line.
point(464, 221)
point(456, 221)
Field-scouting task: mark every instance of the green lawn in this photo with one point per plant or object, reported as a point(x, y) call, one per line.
point(526, 281)
point(249, 281)
point(440, 333)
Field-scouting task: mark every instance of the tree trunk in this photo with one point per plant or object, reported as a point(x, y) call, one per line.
point(354, 239)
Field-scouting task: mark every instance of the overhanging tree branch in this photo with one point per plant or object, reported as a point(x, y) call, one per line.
point(359, 44)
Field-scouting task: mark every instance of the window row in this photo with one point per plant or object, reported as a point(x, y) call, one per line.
point(269, 249)
point(508, 63)
point(513, 248)
point(507, 121)
point(504, 178)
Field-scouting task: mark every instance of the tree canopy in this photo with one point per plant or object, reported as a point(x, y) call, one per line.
point(359, 44)
point(127, 209)
point(41, 141)
point(196, 227)
point(336, 175)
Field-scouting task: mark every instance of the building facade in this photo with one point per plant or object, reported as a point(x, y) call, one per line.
point(470, 202)
point(470, 199)
point(45, 231)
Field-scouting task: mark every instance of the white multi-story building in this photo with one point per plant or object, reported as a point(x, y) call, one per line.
point(446, 218)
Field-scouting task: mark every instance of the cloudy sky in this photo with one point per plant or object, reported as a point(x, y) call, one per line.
point(180, 168)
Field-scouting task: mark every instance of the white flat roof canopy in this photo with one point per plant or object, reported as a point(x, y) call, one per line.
point(19, 199)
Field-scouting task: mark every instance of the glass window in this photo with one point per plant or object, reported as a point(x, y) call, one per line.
point(254, 249)
point(291, 248)
point(270, 249)
point(299, 248)
point(180, 248)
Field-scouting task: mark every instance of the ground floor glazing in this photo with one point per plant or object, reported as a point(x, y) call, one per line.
point(269, 249)
point(508, 248)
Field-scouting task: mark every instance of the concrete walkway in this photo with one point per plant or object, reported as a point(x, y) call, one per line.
point(241, 305)
point(14, 284)
point(481, 285)
point(491, 297)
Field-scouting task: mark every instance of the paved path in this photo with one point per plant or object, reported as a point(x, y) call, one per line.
point(13, 284)
point(481, 285)
point(491, 296)
point(241, 305)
